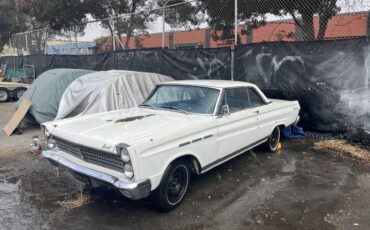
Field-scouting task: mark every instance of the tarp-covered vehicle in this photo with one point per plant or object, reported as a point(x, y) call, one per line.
point(46, 91)
point(106, 91)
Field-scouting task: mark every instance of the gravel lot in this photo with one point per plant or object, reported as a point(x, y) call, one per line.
point(297, 188)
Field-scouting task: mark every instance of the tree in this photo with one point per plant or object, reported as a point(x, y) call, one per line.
point(253, 12)
point(182, 14)
point(325, 9)
point(130, 17)
point(10, 22)
point(62, 17)
point(67, 15)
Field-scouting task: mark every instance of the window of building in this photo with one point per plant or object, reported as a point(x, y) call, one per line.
point(73, 51)
point(82, 51)
point(91, 50)
point(186, 46)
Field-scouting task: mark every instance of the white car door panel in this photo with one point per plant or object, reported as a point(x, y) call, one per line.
point(236, 131)
point(239, 128)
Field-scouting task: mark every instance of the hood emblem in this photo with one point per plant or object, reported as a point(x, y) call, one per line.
point(105, 146)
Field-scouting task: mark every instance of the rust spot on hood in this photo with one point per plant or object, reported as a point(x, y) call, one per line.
point(128, 119)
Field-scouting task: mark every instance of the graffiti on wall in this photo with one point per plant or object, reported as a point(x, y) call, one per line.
point(330, 79)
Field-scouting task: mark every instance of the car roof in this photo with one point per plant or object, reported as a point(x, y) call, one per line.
point(210, 83)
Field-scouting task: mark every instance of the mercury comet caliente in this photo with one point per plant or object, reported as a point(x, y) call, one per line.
point(183, 128)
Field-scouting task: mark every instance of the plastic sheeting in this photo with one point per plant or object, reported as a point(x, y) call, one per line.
point(331, 80)
point(178, 64)
point(46, 91)
point(107, 90)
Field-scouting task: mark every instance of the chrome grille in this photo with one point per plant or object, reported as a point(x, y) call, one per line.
point(90, 155)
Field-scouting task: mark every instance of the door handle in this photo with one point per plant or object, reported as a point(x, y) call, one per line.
point(256, 112)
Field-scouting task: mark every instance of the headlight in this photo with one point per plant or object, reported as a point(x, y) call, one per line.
point(125, 155)
point(51, 143)
point(129, 171)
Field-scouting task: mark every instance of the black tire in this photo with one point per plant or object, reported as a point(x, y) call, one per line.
point(173, 186)
point(4, 95)
point(18, 93)
point(272, 143)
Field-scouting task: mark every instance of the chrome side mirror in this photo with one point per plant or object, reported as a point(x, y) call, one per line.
point(223, 111)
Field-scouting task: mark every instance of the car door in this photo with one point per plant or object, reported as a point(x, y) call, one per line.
point(238, 129)
point(258, 106)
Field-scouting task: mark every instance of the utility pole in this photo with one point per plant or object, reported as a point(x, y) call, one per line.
point(164, 23)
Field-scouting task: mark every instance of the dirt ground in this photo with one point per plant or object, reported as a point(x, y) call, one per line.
point(297, 188)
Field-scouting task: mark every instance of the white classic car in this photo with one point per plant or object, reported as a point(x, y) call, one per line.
point(182, 128)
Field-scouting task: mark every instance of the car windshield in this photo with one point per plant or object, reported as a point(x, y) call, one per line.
point(183, 98)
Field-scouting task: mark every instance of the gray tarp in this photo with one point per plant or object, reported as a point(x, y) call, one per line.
point(46, 91)
point(107, 90)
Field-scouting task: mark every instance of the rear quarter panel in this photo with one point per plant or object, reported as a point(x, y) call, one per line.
point(277, 113)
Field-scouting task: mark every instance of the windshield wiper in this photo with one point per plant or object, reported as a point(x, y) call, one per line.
point(149, 106)
point(173, 108)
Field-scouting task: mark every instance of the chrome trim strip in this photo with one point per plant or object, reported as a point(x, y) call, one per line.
point(134, 190)
point(232, 155)
point(196, 140)
point(185, 143)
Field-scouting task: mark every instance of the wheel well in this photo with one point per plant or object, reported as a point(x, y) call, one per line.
point(281, 127)
point(20, 88)
point(193, 162)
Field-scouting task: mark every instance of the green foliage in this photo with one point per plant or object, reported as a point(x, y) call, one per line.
point(10, 22)
point(253, 13)
point(68, 15)
point(184, 15)
point(128, 24)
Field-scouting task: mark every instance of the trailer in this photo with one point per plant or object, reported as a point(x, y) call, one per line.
point(12, 90)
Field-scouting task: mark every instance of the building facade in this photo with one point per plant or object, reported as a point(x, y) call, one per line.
point(339, 27)
point(63, 48)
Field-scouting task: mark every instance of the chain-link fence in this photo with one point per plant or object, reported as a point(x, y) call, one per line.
point(180, 24)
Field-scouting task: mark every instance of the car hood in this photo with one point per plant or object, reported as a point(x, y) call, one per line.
point(128, 126)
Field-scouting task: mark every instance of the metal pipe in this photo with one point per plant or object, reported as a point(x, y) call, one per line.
point(236, 22)
point(113, 36)
point(46, 47)
point(26, 41)
point(163, 26)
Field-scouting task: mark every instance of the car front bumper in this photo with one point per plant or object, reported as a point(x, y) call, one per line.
point(133, 191)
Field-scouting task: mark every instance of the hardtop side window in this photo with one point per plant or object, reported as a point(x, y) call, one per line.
point(255, 99)
point(237, 99)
